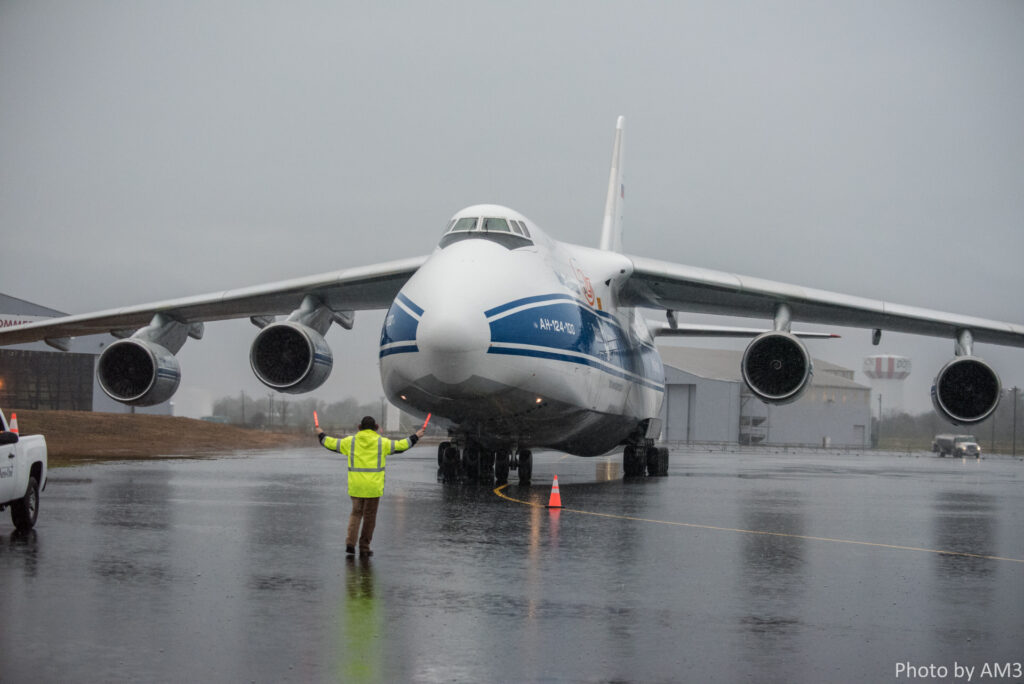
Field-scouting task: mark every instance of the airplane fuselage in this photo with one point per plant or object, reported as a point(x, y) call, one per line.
point(515, 339)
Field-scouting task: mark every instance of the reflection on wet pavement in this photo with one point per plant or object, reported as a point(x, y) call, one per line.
point(362, 639)
point(235, 570)
point(964, 520)
point(773, 571)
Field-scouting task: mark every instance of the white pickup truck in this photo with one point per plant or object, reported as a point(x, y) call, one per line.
point(960, 446)
point(22, 474)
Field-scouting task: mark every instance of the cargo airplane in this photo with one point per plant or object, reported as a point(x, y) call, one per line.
point(515, 341)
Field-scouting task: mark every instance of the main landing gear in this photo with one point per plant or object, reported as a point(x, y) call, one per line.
point(638, 459)
point(473, 464)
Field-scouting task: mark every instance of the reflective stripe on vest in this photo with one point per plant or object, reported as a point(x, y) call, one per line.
point(352, 458)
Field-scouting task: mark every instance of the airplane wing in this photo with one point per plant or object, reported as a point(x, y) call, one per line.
point(352, 289)
point(662, 285)
point(720, 331)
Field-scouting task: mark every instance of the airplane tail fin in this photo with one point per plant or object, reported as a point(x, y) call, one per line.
point(611, 229)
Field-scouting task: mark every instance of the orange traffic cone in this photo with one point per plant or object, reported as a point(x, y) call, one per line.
point(14, 423)
point(556, 498)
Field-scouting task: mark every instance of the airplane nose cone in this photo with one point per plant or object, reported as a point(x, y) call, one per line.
point(454, 340)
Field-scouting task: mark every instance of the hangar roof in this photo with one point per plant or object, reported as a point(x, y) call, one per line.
point(19, 307)
point(724, 364)
point(14, 311)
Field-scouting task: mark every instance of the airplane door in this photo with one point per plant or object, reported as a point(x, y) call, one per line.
point(615, 352)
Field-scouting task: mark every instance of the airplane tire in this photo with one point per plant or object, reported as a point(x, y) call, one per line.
point(501, 463)
point(486, 466)
point(451, 464)
point(632, 462)
point(657, 462)
point(652, 461)
point(440, 452)
point(525, 466)
point(471, 463)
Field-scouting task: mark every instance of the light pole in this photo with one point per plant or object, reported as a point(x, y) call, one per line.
point(879, 433)
point(1015, 391)
point(993, 448)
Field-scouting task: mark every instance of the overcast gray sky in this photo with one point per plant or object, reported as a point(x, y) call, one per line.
point(151, 150)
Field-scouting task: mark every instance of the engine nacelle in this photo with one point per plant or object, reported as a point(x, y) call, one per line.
point(138, 372)
point(290, 357)
point(777, 367)
point(966, 391)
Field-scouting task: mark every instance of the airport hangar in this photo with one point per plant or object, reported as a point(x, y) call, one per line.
point(707, 401)
point(36, 376)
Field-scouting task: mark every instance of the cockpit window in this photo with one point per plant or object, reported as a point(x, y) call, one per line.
point(510, 233)
point(496, 225)
point(467, 223)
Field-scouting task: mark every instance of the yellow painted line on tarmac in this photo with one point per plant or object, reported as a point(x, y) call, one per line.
point(716, 528)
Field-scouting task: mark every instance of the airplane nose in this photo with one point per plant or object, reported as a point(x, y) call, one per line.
point(455, 340)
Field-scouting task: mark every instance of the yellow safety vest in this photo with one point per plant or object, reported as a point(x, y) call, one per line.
point(367, 454)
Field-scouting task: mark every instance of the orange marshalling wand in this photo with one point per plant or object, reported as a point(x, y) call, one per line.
point(316, 419)
point(426, 421)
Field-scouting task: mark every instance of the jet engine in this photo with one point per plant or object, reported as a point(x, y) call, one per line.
point(290, 357)
point(777, 367)
point(966, 391)
point(138, 372)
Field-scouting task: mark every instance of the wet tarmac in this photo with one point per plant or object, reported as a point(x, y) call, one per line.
point(752, 566)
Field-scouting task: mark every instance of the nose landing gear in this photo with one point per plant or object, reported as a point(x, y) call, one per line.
point(473, 464)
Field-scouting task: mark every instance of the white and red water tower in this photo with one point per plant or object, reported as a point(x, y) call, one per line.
point(887, 373)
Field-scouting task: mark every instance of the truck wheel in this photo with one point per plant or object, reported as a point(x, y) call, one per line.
point(25, 510)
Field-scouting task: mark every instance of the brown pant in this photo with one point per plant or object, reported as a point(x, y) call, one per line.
point(363, 511)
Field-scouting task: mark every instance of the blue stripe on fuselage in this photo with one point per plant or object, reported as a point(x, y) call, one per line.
point(398, 349)
point(553, 325)
point(553, 355)
point(399, 326)
point(526, 300)
point(554, 297)
point(409, 303)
